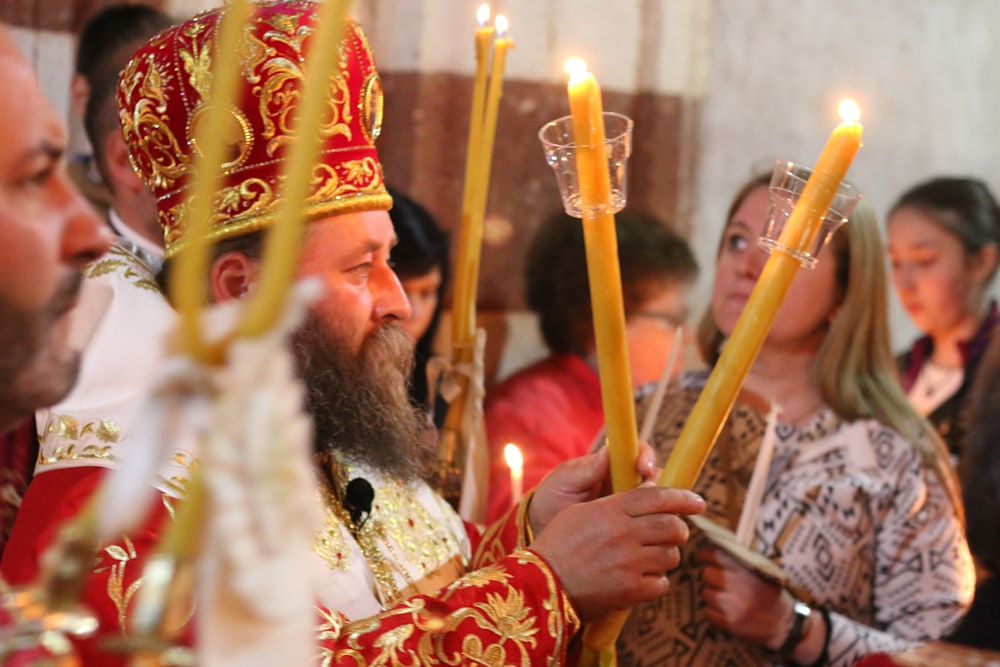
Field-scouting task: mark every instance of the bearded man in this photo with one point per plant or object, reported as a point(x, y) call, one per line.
point(393, 567)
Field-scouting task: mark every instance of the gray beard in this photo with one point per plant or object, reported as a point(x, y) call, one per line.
point(360, 404)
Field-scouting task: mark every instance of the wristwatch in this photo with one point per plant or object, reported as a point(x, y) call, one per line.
point(800, 613)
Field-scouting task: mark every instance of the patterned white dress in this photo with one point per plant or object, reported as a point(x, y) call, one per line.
point(850, 511)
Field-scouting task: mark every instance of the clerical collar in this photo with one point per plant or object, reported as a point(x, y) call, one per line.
point(123, 230)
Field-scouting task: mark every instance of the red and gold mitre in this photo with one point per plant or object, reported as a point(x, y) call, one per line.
point(164, 93)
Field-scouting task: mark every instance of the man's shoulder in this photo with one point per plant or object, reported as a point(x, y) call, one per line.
point(125, 262)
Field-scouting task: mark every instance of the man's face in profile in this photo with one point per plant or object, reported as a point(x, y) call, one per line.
point(47, 234)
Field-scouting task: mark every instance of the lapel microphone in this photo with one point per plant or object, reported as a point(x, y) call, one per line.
point(358, 497)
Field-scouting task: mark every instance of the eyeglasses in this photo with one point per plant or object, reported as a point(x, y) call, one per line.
point(669, 319)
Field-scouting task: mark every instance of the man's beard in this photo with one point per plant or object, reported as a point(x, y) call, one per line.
point(360, 402)
point(37, 365)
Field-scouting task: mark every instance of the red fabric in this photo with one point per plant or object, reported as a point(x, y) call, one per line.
point(511, 607)
point(552, 411)
point(876, 660)
point(18, 451)
point(158, 120)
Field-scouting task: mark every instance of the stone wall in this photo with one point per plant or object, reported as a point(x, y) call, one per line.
point(718, 88)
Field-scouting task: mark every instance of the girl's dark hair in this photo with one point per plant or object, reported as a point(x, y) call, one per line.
point(422, 246)
point(556, 285)
point(963, 207)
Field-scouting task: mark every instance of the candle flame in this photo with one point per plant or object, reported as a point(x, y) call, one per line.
point(575, 67)
point(512, 455)
point(501, 25)
point(483, 15)
point(849, 110)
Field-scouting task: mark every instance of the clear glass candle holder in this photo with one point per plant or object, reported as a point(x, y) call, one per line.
point(788, 181)
point(560, 153)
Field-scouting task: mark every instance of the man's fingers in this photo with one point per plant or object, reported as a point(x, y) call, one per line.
point(658, 500)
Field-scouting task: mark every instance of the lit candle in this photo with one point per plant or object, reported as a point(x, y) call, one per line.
point(716, 399)
point(470, 234)
point(470, 239)
point(515, 462)
point(284, 239)
point(604, 274)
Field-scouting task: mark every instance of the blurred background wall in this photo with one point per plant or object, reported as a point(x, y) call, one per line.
point(718, 89)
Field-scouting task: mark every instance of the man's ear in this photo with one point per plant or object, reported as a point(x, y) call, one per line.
point(79, 91)
point(119, 168)
point(232, 276)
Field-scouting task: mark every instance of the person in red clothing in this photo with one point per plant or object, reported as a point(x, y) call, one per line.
point(47, 235)
point(397, 575)
point(552, 409)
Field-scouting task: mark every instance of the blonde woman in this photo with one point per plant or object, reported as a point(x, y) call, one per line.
point(860, 507)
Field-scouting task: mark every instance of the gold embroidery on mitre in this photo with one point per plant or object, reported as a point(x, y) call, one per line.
point(370, 107)
point(92, 441)
point(237, 136)
point(159, 159)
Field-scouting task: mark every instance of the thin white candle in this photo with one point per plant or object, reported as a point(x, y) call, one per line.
point(755, 490)
point(649, 420)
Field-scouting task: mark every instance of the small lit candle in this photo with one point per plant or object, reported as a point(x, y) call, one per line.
point(515, 462)
point(716, 400)
point(604, 274)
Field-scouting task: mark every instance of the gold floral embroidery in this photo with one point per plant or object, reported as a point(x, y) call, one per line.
point(127, 265)
point(121, 555)
point(330, 543)
point(500, 630)
point(160, 155)
point(92, 441)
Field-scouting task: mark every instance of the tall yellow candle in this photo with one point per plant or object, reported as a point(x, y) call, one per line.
point(716, 399)
point(604, 274)
point(284, 239)
point(469, 236)
point(188, 279)
point(470, 239)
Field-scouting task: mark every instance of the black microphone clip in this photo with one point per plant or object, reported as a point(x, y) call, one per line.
point(358, 498)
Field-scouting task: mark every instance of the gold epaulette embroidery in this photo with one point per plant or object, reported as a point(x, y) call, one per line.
point(127, 265)
point(93, 440)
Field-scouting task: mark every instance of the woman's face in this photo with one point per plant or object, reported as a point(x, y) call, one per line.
point(938, 283)
point(422, 291)
point(811, 300)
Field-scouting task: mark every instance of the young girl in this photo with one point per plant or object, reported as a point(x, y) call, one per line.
point(943, 237)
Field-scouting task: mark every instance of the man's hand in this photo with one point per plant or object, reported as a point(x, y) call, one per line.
point(614, 552)
point(579, 480)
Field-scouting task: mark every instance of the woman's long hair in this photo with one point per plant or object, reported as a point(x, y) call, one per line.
point(854, 367)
